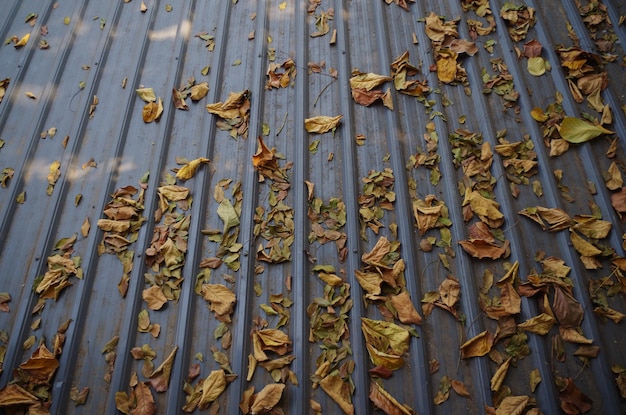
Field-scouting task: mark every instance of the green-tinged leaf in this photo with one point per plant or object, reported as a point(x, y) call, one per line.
point(536, 66)
point(229, 216)
point(146, 94)
point(576, 130)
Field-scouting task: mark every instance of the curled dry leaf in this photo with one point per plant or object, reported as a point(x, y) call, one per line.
point(152, 111)
point(322, 124)
point(339, 391)
point(188, 170)
point(160, 378)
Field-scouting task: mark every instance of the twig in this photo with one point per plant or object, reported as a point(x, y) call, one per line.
point(321, 92)
point(282, 126)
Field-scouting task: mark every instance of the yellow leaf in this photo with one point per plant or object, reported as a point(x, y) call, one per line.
point(339, 390)
point(222, 299)
point(152, 111)
point(498, 377)
point(84, 229)
point(478, 345)
point(446, 67)
point(146, 94)
point(283, 5)
point(368, 81)
point(583, 247)
point(536, 66)
point(540, 324)
point(199, 91)
point(322, 124)
point(535, 378)
point(538, 115)
point(22, 41)
point(512, 405)
point(576, 130)
point(188, 170)
point(142, 7)
point(267, 398)
point(160, 378)
point(212, 388)
point(30, 95)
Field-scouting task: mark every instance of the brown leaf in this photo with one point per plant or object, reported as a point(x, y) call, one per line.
point(41, 366)
point(532, 48)
point(13, 394)
point(479, 248)
point(267, 398)
point(222, 299)
point(160, 378)
point(567, 309)
point(152, 111)
point(145, 404)
point(478, 345)
point(339, 391)
point(387, 403)
point(460, 388)
point(573, 401)
point(199, 91)
point(365, 97)
point(405, 308)
point(618, 200)
point(154, 297)
point(85, 227)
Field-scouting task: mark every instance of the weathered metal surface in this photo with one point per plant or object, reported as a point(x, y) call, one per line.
point(103, 44)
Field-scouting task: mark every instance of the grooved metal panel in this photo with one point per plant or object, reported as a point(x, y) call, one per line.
point(105, 50)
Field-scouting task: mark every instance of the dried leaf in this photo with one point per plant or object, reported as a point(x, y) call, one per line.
point(267, 398)
point(188, 170)
point(146, 94)
point(573, 400)
point(540, 324)
point(367, 81)
point(86, 226)
point(339, 391)
point(152, 111)
point(199, 91)
point(160, 378)
point(322, 124)
point(405, 308)
point(154, 297)
point(478, 345)
point(513, 405)
point(498, 377)
point(386, 402)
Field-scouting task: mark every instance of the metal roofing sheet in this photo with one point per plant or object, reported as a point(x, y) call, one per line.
point(74, 102)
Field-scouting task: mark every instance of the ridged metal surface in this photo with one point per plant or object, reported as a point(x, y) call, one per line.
point(158, 49)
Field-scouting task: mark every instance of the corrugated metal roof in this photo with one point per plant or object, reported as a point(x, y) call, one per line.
point(74, 102)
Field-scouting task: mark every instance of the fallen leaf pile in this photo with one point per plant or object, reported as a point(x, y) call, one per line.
point(271, 348)
point(401, 68)
point(362, 86)
point(31, 387)
point(482, 9)
point(322, 21)
point(276, 225)
point(208, 39)
point(586, 233)
point(165, 256)
point(501, 83)
point(329, 317)
point(140, 400)
point(560, 130)
point(195, 91)
point(327, 222)
point(382, 279)
point(586, 78)
point(154, 107)
point(62, 266)
point(123, 219)
point(206, 391)
point(475, 157)
point(281, 75)
point(376, 196)
point(429, 158)
point(430, 213)
point(234, 113)
point(597, 21)
point(520, 162)
point(519, 19)
point(446, 297)
point(447, 48)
